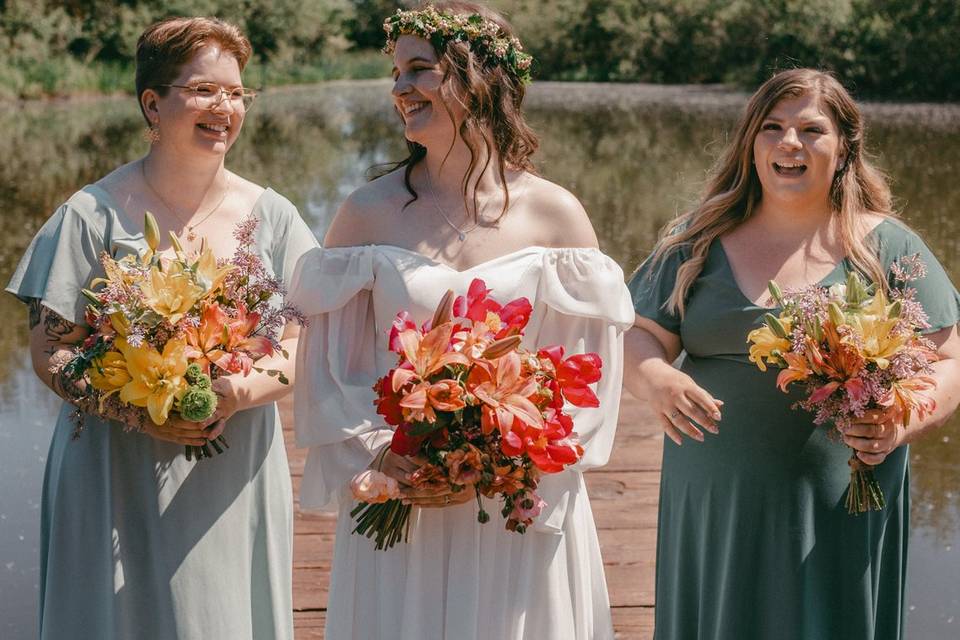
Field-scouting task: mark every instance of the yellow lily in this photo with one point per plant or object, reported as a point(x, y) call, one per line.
point(875, 328)
point(171, 293)
point(765, 342)
point(109, 372)
point(156, 379)
point(208, 275)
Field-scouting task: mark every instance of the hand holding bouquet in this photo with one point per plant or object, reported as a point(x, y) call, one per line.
point(852, 349)
point(475, 411)
point(163, 329)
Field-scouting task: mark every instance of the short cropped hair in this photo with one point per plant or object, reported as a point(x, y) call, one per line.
point(166, 46)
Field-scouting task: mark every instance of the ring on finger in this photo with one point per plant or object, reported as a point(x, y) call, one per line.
point(674, 413)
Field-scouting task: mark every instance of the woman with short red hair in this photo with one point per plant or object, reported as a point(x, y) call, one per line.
point(137, 541)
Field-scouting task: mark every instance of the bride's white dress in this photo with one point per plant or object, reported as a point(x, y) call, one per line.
point(456, 578)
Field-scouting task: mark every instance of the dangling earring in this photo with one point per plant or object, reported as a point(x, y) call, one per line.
point(152, 133)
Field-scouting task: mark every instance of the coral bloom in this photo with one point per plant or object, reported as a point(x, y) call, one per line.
point(226, 342)
point(907, 396)
point(797, 370)
point(465, 466)
point(426, 354)
point(505, 392)
point(171, 293)
point(446, 395)
point(374, 487)
point(156, 379)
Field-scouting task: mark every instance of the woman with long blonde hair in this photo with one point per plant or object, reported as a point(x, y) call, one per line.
point(754, 539)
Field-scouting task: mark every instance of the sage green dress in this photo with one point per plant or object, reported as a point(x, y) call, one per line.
point(137, 541)
point(754, 541)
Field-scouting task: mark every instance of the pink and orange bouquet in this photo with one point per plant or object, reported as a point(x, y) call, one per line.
point(851, 348)
point(475, 410)
point(164, 329)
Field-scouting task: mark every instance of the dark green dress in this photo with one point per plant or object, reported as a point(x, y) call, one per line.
point(754, 541)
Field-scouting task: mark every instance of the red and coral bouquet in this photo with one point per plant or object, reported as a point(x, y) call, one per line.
point(475, 410)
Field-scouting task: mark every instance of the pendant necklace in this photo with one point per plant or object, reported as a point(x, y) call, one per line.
point(191, 228)
point(461, 233)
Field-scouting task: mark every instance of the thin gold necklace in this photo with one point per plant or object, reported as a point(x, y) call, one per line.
point(191, 233)
point(461, 233)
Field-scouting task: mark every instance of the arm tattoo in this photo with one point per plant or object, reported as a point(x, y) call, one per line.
point(34, 307)
point(55, 328)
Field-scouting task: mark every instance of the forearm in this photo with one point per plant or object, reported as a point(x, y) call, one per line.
point(946, 373)
point(260, 387)
point(645, 360)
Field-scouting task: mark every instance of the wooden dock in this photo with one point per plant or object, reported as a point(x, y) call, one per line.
point(624, 499)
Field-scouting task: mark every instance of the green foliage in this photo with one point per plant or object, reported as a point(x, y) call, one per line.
point(890, 48)
point(894, 48)
point(83, 46)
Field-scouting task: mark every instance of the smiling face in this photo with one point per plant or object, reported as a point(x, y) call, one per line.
point(797, 152)
point(187, 127)
point(417, 93)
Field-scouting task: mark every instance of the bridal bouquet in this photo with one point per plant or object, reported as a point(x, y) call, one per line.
point(163, 329)
point(475, 410)
point(852, 349)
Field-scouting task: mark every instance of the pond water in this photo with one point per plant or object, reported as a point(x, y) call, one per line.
point(634, 154)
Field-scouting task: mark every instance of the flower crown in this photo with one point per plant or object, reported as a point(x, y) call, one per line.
point(485, 38)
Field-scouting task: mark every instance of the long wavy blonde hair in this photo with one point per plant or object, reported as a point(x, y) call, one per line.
point(733, 189)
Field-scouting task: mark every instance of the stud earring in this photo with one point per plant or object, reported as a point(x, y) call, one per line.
point(152, 134)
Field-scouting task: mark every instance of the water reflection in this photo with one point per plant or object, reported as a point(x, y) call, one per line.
point(633, 154)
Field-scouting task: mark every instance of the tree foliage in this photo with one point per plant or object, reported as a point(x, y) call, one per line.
point(890, 48)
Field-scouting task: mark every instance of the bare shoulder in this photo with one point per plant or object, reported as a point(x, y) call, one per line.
point(360, 218)
point(557, 216)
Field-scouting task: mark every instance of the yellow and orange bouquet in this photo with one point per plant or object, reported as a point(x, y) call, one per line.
point(163, 329)
point(852, 348)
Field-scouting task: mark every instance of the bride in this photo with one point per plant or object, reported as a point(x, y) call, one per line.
point(465, 204)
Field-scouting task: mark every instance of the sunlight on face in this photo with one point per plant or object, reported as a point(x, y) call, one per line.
point(417, 96)
point(797, 151)
point(192, 128)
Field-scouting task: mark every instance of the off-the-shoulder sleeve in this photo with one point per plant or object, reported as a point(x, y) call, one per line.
point(333, 397)
point(61, 260)
point(935, 292)
point(583, 305)
point(651, 286)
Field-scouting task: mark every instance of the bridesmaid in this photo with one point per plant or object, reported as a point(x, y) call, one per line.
point(137, 541)
point(754, 540)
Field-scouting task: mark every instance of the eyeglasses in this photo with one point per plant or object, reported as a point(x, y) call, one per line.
point(208, 95)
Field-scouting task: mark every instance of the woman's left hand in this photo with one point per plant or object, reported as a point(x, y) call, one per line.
point(227, 404)
point(874, 436)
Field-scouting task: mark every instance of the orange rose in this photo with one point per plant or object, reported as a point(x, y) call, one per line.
point(446, 395)
point(465, 466)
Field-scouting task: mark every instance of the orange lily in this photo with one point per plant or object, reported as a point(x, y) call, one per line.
point(501, 386)
point(226, 342)
point(797, 370)
point(426, 354)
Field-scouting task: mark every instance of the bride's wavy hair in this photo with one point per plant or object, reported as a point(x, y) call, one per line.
point(733, 188)
point(491, 98)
